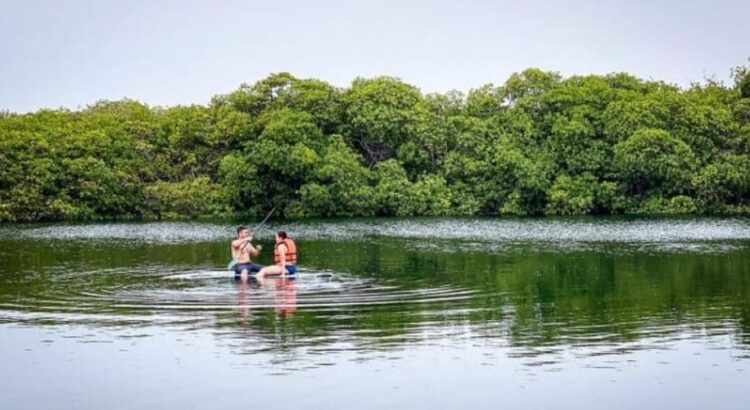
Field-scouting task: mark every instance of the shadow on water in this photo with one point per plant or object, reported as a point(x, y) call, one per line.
point(540, 288)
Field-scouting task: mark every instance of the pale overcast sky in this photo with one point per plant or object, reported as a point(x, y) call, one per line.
point(71, 53)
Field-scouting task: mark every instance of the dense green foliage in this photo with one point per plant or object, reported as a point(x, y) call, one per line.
point(538, 144)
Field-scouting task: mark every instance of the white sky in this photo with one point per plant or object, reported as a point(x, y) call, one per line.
point(70, 53)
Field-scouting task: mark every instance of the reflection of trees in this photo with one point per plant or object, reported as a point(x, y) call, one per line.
point(527, 295)
point(54, 269)
point(613, 292)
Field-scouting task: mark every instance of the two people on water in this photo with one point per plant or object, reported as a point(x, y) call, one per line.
point(284, 256)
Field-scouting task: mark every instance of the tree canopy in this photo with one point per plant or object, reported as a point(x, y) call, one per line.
point(537, 144)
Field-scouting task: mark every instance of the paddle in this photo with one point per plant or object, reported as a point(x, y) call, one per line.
point(255, 230)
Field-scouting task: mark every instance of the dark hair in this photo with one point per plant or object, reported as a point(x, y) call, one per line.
point(240, 229)
point(281, 234)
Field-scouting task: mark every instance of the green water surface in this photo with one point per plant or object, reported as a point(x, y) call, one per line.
point(427, 313)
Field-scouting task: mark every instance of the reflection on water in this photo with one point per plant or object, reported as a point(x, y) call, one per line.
point(546, 294)
point(284, 296)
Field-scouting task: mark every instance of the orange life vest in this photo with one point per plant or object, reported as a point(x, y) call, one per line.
point(291, 252)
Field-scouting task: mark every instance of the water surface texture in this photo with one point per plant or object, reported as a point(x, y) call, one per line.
point(427, 313)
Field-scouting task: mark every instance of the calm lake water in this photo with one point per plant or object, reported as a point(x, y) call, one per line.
point(407, 313)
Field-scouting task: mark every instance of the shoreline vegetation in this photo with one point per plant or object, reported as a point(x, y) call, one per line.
point(539, 144)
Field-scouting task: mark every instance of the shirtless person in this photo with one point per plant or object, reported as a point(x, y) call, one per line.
point(242, 251)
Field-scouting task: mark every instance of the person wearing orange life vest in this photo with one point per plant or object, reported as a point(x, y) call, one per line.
point(284, 257)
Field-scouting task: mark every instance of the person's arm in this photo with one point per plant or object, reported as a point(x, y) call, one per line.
point(282, 259)
point(253, 250)
point(237, 243)
point(235, 248)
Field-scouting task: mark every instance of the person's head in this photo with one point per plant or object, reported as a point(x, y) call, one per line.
point(243, 232)
point(280, 236)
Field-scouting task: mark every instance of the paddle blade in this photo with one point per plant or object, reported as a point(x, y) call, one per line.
point(231, 264)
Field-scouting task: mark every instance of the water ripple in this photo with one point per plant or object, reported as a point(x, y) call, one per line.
point(163, 296)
